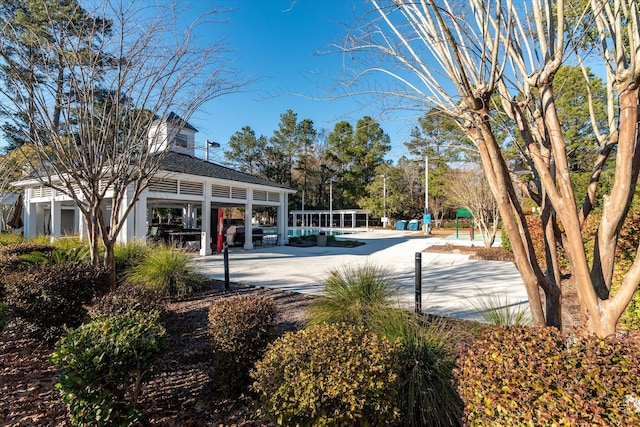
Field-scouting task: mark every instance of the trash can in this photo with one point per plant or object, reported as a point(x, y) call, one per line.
point(322, 239)
point(414, 225)
point(401, 225)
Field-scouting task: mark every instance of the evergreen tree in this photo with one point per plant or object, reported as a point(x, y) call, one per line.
point(357, 154)
point(247, 152)
point(283, 149)
point(30, 26)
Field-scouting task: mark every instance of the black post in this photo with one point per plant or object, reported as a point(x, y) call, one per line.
point(418, 282)
point(225, 251)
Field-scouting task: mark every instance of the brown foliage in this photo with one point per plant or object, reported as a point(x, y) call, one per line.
point(538, 376)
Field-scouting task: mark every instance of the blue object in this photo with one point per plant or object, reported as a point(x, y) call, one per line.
point(414, 225)
point(401, 225)
point(426, 218)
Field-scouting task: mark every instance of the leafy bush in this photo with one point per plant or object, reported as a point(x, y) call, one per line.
point(352, 294)
point(538, 376)
point(534, 225)
point(126, 298)
point(241, 327)
point(49, 298)
point(103, 365)
point(626, 250)
point(167, 270)
point(329, 375)
point(78, 254)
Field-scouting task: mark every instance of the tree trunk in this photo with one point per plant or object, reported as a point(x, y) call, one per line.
point(498, 179)
point(553, 307)
point(603, 325)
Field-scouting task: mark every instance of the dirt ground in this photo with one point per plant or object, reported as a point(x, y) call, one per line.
point(183, 390)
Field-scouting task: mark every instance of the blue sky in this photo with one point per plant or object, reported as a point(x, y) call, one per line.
point(277, 42)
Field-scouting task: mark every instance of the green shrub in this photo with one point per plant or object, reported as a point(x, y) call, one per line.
point(126, 298)
point(127, 255)
point(166, 269)
point(538, 376)
point(103, 365)
point(53, 296)
point(427, 393)
point(352, 294)
point(78, 254)
point(241, 327)
point(10, 239)
point(329, 375)
point(69, 243)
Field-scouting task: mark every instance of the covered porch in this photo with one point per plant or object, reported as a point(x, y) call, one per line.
point(199, 189)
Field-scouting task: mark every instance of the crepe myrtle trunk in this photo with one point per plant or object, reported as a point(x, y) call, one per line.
point(498, 179)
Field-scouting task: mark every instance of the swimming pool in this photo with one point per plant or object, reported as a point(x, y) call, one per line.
point(297, 232)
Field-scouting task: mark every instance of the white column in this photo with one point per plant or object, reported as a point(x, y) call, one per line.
point(353, 220)
point(205, 235)
point(31, 219)
point(27, 213)
point(56, 218)
point(76, 221)
point(82, 226)
point(40, 219)
point(127, 232)
point(283, 224)
point(248, 215)
point(140, 217)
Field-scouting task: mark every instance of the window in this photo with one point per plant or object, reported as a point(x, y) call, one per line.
point(182, 140)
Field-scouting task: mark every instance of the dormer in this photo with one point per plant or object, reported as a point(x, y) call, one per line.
point(172, 132)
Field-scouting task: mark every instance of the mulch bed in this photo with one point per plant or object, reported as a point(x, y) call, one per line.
point(474, 252)
point(183, 390)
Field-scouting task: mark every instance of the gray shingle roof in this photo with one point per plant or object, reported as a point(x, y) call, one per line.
point(183, 163)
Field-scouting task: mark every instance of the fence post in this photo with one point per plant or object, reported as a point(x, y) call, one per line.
point(226, 266)
point(418, 280)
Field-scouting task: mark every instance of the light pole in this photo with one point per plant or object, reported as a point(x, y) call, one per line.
point(426, 184)
point(207, 144)
point(303, 207)
point(330, 206)
point(384, 200)
point(425, 226)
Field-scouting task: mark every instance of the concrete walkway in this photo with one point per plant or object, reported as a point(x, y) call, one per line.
point(450, 282)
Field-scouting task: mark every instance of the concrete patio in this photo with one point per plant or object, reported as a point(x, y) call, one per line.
point(450, 282)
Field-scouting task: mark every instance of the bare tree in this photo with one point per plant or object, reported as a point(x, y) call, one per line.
point(469, 188)
point(103, 83)
point(463, 56)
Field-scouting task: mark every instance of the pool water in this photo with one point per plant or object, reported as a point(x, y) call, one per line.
point(298, 232)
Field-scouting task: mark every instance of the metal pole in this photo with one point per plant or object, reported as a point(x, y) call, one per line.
point(426, 184)
point(418, 280)
point(303, 207)
point(384, 198)
point(330, 206)
point(226, 265)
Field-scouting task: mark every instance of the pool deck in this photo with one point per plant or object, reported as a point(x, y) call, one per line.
point(451, 283)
